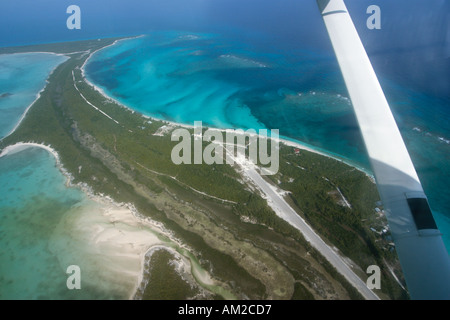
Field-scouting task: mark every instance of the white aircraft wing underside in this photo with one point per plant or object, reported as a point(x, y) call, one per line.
point(423, 256)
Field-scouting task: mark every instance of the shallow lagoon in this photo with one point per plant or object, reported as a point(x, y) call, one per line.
point(22, 76)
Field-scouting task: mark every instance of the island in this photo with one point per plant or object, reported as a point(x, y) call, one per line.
point(219, 212)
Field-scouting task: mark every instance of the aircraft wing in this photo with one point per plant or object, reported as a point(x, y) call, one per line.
point(420, 248)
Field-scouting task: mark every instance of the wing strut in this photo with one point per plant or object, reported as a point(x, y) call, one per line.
point(420, 248)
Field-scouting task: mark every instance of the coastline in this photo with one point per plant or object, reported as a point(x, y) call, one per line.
point(85, 188)
point(100, 90)
point(46, 52)
point(281, 208)
point(296, 144)
point(122, 243)
point(202, 277)
point(11, 149)
point(275, 199)
point(38, 95)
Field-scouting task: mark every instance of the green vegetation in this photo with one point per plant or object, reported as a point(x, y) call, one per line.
point(262, 257)
point(339, 202)
point(164, 283)
point(256, 208)
point(60, 47)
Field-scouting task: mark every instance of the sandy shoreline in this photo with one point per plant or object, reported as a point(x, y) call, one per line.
point(100, 90)
point(11, 149)
point(38, 95)
point(292, 218)
point(46, 52)
point(126, 214)
point(119, 232)
point(295, 144)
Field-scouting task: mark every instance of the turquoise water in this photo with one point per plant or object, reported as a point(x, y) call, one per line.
point(188, 77)
point(183, 77)
point(228, 84)
point(43, 231)
point(34, 199)
point(38, 237)
point(45, 226)
point(22, 76)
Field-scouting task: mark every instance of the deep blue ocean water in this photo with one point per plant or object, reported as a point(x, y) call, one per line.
point(227, 83)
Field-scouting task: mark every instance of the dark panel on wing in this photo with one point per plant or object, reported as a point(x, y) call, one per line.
point(421, 212)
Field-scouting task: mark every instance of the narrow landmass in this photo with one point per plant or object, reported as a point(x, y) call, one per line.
point(228, 225)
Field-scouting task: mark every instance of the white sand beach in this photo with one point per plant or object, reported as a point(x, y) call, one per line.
point(38, 95)
point(122, 237)
point(112, 237)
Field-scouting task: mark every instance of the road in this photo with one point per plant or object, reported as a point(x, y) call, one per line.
point(285, 211)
